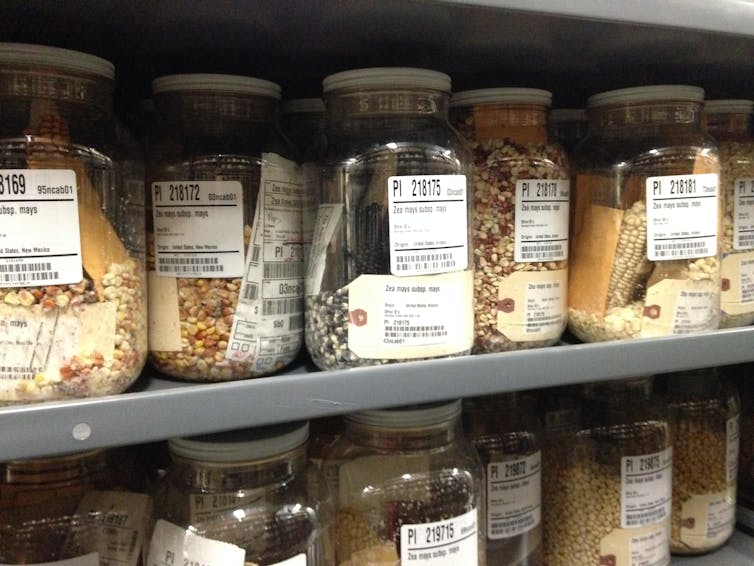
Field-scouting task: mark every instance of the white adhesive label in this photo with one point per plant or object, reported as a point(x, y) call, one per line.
point(428, 224)
point(298, 560)
point(514, 496)
point(541, 220)
point(198, 228)
point(328, 219)
point(732, 444)
point(416, 317)
point(743, 214)
point(175, 546)
point(645, 488)
point(40, 241)
point(33, 341)
point(269, 319)
point(207, 506)
point(86, 560)
point(682, 216)
point(119, 520)
point(443, 543)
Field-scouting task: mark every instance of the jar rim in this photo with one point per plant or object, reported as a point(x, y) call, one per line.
point(729, 106)
point(388, 77)
point(211, 82)
point(651, 93)
point(412, 416)
point(302, 106)
point(55, 58)
point(502, 96)
point(558, 115)
point(241, 445)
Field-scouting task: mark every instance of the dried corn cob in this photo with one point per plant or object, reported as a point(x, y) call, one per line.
point(630, 265)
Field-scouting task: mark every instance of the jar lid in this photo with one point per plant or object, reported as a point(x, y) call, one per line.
point(729, 106)
point(502, 96)
point(302, 106)
point(411, 416)
point(388, 77)
point(647, 94)
point(55, 57)
point(207, 82)
point(559, 115)
point(241, 445)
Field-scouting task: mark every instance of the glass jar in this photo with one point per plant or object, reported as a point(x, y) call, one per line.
point(225, 262)
point(507, 435)
point(303, 121)
point(72, 285)
point(614, 482)
point(520, 237)
point(704, 414)
point(65, 506)
point(323, 434)
point(645, 219)
point(239, 494)
point(390, 276)
point(407, 489)
point(742, 374)
point(729, 121)
point(568, 126)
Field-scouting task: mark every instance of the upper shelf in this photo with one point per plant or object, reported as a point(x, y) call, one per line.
point(572, 47)
point(158, 408)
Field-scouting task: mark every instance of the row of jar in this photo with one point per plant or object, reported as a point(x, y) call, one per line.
point(398, 242)
point(617, 474)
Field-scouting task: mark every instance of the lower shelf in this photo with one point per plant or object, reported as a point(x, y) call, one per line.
point(738, 552)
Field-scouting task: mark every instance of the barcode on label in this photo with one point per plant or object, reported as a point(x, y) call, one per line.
point(541, 252)
point(514, 526)
point(38, 271)
point(415, 331)
point(256, 251)
point(672, 250)
point(296, 322)
point(279, 270)
point(19, 369)
point(188, 260)
point(746, 238)
point(281, 306)
point(189, 265)
point(251, 292)
point(424, 261)
point(645, 518)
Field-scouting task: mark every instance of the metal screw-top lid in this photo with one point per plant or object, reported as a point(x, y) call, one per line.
point(502, 96)
point(302, 106)
point(412, 416)
point(656, 93)
point(206, 82)
point(241, 445)
point(22, 54)
point(729, 106)
point(560, 115)
point(389, 78)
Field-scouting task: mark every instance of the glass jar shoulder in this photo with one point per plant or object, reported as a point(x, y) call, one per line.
point(646, 435)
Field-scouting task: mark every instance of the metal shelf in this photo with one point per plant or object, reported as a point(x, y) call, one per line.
point(738, 552)
point(157, 408)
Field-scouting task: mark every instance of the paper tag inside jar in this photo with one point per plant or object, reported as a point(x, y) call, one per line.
point(205, 507)
point(541, 219)
point(298, 560)
point(532, 305)
point(682, 216)
point(743, 213)
point(428, 224)
point(737, 290)
point(198, 228)
point(86, 560)
point(644, 546)
point(680, 306)
point(114, 523)
point(514, 496)
point(175, 546)
point(645, 489)
point(708, 520)
point(269, 319)
point(163, 313)
point(327, 222)
point(40, 240)
point(732, 446)
point(35, 344)
point(452, 542)
point(410, 317)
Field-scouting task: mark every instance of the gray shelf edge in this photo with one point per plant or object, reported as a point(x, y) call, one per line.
point(722, 16)
point(163, 409)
